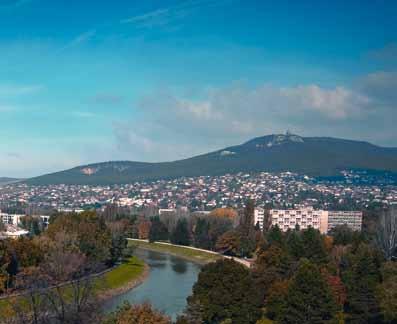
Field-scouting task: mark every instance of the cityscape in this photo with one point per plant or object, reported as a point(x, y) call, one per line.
point(198, 162)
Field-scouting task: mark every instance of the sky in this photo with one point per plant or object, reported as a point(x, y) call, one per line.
point(91, 81)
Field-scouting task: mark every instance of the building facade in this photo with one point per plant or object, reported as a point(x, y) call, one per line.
point(305, 217)
point(353, 219)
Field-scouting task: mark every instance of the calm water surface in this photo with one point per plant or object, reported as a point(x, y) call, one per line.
point(169, 282)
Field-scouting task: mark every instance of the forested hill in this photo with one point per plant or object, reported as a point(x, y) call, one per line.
point(314, 156)
point(5, 180)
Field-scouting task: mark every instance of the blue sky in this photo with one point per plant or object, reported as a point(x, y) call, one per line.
point(89, 81)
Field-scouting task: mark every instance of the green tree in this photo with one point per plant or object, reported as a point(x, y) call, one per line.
point(180, 235)
point(226, 290)
point(309, 298)
point(387, 292)
point(313, 246)
point(361, 275)
point(295, 244)
point(201, 234)
point(272, 264)
point(158, 230)
point(275, 236)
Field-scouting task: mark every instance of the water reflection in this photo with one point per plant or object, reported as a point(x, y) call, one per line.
point(178, 265)
point(169, 283)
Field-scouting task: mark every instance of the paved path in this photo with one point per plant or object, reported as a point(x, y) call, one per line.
point(239, 260)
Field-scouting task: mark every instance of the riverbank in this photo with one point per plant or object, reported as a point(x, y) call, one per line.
point(121, 279)
point(111, 283)
point(189, 253)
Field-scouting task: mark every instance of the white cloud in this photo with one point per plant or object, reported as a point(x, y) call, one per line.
point(165, 16)
point(9, 90)
point(173, 126)
point(79, 39)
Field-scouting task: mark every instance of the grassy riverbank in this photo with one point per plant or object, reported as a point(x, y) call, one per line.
point(116, 281)
point(180, 251)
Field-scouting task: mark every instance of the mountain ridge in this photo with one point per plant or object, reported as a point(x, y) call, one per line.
point(315, 156)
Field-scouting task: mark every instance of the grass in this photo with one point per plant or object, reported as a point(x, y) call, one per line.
point(116, 278)
point(121, 275)
point(184, 252)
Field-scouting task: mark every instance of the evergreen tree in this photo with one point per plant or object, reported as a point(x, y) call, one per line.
point(158, 230)
point(225, 290)
point(361, 277)
point(272, 264)
point(295, 244)
point(309, 298)
point(313, 246)
point(180, 235)
point(201, 234)
point(275, 237)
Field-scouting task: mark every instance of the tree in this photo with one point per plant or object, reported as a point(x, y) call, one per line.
point(136, 314)
point(361, 275)
point(275, 236)
point(180, 235)
point(309, 298)
point(272, 264)
point(201, 234)
point(225, 290)
point(143, 229)
point(295, 244)
point(93, 237)
point(386, 233)
point(313, 246)
point(229, 243)
point(276, 300)
point(158, 230)
point(118, 240)
point(387, 292)
point(229, 213)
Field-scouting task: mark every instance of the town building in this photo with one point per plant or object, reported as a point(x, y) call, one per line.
point(305, 217)
point(353, 219)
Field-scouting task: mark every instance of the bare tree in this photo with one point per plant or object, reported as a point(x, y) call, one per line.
point(386, 234)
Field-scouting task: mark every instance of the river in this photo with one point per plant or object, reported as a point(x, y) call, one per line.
point(169, 282)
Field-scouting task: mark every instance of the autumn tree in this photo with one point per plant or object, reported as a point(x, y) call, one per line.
point(143, 228)
point(229, 243)
point(137, 314)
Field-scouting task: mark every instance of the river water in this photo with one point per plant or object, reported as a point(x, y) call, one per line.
point(169, 282)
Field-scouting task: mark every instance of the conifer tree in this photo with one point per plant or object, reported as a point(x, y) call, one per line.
point(309, 298)
point(180, 235)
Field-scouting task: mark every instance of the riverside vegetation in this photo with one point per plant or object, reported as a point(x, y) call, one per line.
point(300, 276)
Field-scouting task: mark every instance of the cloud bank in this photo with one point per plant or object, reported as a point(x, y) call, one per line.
point(169, 126)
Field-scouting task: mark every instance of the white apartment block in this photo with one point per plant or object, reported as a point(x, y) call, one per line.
point(353, 219)
point(259, 215)
point(305, 217)
point(15, 219)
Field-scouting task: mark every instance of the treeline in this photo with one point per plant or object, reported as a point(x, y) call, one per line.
point(223, 230)
point(304, 277)
point(73, 249)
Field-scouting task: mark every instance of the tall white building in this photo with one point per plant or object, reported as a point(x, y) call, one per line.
point(259, 215)
point(305, 217)
point(352, 219)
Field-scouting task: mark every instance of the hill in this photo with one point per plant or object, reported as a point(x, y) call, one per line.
point(5, 180)
point(315, 156)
